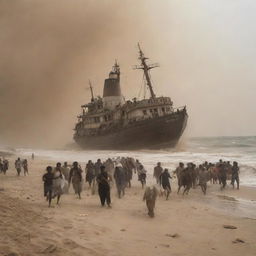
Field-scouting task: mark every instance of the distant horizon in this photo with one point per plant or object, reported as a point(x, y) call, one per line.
point(222, 136)
point(73, 143)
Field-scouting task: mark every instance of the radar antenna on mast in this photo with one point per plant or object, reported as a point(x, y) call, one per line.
point(116, 67)
point(146, 67)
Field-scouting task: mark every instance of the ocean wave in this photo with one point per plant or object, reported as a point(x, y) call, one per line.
point(197, 150)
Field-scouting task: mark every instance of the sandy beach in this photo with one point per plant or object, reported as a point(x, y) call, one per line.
point(183, 225)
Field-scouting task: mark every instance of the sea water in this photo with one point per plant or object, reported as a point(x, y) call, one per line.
point(197, 150)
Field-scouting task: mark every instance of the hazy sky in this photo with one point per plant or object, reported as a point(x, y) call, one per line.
point(49, 49)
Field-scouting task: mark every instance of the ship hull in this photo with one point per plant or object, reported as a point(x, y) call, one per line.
point(156, 133)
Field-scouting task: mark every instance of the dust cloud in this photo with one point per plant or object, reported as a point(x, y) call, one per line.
point(49, 49)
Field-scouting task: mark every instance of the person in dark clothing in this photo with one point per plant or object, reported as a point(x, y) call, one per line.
point(157, 172)
point(185, 179)
point(5, 166)
point(127, 165)
point(235, 175)
point(104, 187)
point(25, 166)
point(97, 167)
point(222, 175)
point(142, 175)
point(178, 172)
point(18, 165)
point(48, 182)
point(164, 181)
point(120, 179)
point(89, 172)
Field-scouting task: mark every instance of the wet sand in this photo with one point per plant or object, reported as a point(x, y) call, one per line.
point(183, 225)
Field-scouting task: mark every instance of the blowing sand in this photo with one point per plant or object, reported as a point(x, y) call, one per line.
point(183, 225)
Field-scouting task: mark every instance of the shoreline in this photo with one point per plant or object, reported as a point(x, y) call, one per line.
point(169, 160)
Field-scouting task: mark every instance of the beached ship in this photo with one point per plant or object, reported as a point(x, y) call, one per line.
point(111, 122)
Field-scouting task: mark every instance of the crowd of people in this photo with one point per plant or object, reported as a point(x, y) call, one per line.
point(21, 164)
point(192, 175)
point(101, 176)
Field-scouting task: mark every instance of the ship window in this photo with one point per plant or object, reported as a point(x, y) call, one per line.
point(144, 112)
point(96, 119)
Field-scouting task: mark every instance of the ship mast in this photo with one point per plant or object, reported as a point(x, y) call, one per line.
point(116, 69)
point(91, 89)
point(145, 67)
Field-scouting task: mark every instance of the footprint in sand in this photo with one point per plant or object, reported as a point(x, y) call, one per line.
point(71, 244)
point(68, 227)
